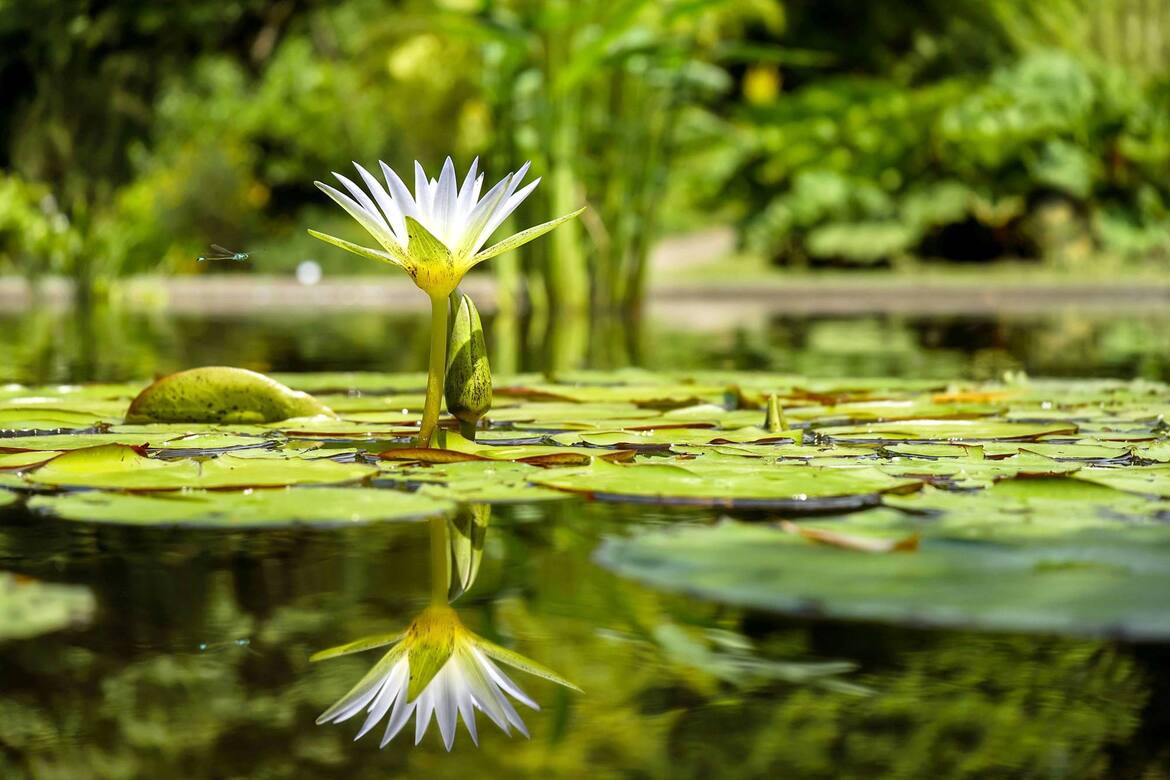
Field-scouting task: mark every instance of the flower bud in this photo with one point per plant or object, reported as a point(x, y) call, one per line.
point(468, 388)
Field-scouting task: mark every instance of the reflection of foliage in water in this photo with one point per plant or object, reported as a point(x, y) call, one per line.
point(135, 697)
point(50, 345)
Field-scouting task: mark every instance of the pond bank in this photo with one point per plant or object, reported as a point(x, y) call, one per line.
point(831, 294)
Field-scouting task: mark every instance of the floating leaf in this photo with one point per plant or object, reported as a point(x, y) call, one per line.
point(221, 394)
point(118, 467)
point(245, 509)
point(795, 487)
point(1088, 584)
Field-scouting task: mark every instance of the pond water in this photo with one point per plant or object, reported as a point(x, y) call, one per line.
point(195, 663)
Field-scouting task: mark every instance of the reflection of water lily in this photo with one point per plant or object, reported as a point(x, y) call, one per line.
point(436, 235)
point(437, 667)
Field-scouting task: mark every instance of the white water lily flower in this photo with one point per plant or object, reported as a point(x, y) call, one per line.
point(437, 233)
point(439, 668)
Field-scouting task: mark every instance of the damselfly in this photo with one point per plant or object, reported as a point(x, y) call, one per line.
point(220, 253)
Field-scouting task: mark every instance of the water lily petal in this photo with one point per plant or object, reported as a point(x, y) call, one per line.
point(399, 191)
point(375, 226)
point(506, 209)
point(473, 235)
point(366, 689)
point(391, 690)
point(521, 238)
point(399, 717)
point(389, 208)
point(446, 197)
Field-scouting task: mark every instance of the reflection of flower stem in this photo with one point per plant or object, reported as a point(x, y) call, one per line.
point(437, 370)
point(440, 561)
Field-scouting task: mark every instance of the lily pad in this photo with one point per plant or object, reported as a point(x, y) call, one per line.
point(1089, 583)
point(245, 509)
point(791, 487)
point(118, 467)
point(944, 431)
point(30, 607)
point(221, 394)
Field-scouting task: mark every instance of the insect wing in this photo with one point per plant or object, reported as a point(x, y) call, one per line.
point(219, 250)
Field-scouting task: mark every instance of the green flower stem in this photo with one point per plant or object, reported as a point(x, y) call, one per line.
point(436, 372)
point(440, 561)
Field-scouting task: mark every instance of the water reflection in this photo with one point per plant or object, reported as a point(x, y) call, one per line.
point(437, 666)
point(59, 345)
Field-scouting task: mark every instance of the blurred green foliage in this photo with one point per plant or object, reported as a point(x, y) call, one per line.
point(971, 131)
point(831, 132)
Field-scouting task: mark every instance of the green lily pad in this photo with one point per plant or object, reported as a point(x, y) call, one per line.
point(7, 497)
point(945, 431)
point(156, 441)
point(245, 509)
point(1087, 583)
point(118, 467)
point(22, 460)
point(792, 487)
point(221, 394)
point(484, 482)
point(30, 608)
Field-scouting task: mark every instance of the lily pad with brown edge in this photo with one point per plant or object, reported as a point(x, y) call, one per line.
point(649, 396)
point(1144, 480)
point(312, 506)
point(1092, 582)
point(221, 394)
point(211, 441)
point(119, 467)
point(456, 448)
point(30, 419)
point(487, 482)
point(29, 607)
point(788, 487)
point(19, 461)
point(924, 431)
point(652, 438)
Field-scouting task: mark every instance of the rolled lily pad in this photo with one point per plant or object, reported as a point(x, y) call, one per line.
point(118, 467)
point(221, 394)
point(791, 487)
point(30, 607)
point(245, 509)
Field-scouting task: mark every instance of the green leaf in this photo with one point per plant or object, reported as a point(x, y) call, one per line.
point(248, 509)
point(793, 487)
point(118, 467)
point(1095, 582)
